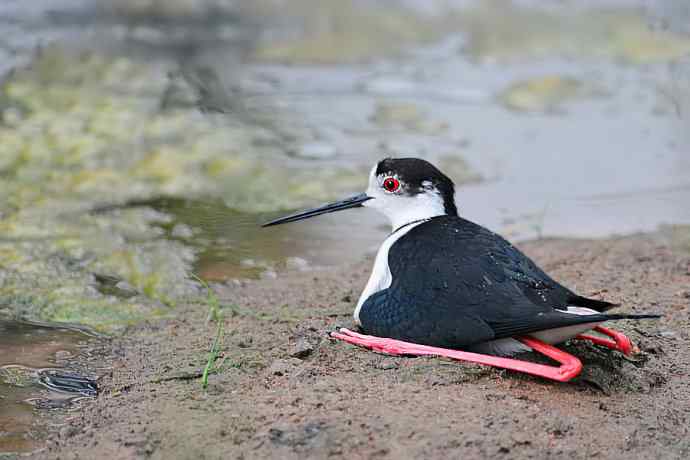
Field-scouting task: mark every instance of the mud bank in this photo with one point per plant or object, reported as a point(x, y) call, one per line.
point(283, 390)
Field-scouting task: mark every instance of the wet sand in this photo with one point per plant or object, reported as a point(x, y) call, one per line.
point(284, 390)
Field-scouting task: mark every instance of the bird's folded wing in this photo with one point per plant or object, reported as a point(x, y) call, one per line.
point(520, 321)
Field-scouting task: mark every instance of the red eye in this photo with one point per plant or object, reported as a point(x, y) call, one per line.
point(391, 184)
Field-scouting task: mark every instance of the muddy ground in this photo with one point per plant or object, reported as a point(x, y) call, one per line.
point(334, 400)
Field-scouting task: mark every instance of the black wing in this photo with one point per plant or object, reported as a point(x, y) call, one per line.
point(456, 283)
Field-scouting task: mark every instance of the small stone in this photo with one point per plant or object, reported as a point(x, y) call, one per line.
point(388, 364)
point(124, 289)
point(114, 286)
point(521, 439)
point(302, 349)
point(667, 334)
point(246, 342)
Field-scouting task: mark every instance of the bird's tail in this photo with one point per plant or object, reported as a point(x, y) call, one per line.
point(624, 316)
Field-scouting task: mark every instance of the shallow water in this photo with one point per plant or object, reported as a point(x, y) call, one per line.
point(26, 352)
point(231, 244)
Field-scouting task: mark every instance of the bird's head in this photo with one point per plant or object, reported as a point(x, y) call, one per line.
point(403, 189)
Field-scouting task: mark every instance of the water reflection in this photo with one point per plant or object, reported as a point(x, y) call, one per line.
point(231, 244)
point(27, 351)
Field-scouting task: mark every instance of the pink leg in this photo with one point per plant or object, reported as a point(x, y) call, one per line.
point(570, 366)
point(620, 342)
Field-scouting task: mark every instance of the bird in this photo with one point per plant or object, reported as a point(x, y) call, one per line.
point(444, 285)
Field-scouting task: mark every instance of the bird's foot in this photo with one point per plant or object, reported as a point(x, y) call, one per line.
point(620, 341)
point(569, 367)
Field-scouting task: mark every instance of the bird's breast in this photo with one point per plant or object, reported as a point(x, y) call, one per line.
point(381, 277)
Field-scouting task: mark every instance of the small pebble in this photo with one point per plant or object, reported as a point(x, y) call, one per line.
point(302, 349)
point(667, 334)
point(124, 289)
point(388, 364)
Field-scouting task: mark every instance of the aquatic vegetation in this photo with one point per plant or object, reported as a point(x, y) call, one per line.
point(83, 135)
point(500, 31)
point(407, 116)
point(546, 94)
point(457, 169)
point(19, 376)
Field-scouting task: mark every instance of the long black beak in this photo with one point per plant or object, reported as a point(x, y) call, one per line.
point(352, 202)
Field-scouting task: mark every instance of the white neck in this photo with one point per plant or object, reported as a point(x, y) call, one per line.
point(420, 207)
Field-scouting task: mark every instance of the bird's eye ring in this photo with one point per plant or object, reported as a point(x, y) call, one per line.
point(391, 184)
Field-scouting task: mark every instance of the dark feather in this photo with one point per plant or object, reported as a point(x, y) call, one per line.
point(456, 284)
point(594, 304)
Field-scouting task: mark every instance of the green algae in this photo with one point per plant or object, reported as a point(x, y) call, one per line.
point(84, 132)
point(18, 376)
point(407, 116)
point(546, 93)
point(500, 30)
point(94, 126)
